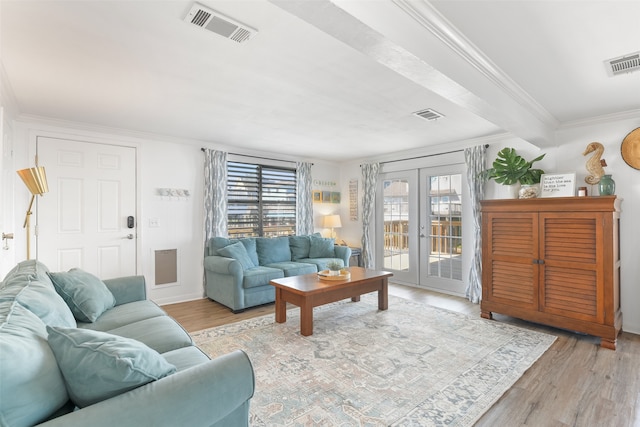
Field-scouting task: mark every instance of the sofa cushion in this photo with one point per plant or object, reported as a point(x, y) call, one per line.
point(124, 314)
point(86, 295)
point(273, 249)
point(294, 268)
point(31, 385)
point(260, 276)
point(97, 365)
point(321, 263)
point(31, 269)
point(216, 243)
point(238, 252)
point(159, 333)
point(185, 358)
point(40, 298)
point(299, 247)
point(321, 247)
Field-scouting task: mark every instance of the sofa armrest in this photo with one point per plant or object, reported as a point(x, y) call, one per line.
point(127, 289)
point(223, 265)
point(198, 396)
point(343, 252)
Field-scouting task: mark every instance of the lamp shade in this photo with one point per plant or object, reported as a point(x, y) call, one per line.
point(35, 179)
point(332, 221)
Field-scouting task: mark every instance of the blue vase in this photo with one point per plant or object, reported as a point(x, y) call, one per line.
point(607, 186)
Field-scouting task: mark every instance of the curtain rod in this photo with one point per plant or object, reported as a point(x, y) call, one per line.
point(258, 157)
point(426, 155)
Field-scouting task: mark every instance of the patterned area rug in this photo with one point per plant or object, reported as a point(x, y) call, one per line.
point(413, 364)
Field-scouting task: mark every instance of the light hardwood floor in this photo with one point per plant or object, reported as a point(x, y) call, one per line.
point(575, 383)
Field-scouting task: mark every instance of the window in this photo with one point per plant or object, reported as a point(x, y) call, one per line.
point(261, 200)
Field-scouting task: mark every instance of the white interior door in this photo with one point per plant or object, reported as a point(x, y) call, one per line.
point(83, 220)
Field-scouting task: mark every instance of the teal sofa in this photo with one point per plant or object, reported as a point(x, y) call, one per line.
point(77, 351)
point(238, 271)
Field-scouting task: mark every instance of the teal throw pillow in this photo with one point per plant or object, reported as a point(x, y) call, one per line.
point(97, 366)
point(321, 247)
point(272, 250)
point(250, 245)
point(238, 252)
point(299, 247)
point(32, 388)
point(86, 295)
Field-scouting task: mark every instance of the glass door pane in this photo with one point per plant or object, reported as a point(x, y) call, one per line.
point(445, 232)
point(398, 243)
point(396, 224)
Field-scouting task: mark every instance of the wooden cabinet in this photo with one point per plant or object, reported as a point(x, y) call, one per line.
point(554, 261)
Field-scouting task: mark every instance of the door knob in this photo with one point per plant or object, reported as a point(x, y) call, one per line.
point(130, 236)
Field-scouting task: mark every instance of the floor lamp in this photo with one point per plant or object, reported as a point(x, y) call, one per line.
point(36, 181)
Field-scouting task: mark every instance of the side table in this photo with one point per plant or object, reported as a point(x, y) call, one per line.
point(357, 254)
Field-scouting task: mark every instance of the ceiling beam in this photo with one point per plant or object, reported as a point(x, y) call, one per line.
point(471, 80)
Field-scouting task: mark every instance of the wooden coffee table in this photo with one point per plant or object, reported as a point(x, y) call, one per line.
point(308, 291)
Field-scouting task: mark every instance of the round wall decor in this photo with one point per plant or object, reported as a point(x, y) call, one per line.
point(630, 149)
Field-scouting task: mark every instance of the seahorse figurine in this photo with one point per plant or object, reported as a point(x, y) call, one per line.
point(594, 165)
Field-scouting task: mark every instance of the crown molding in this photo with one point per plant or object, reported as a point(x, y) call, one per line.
point(598, 120)
point(433, 21)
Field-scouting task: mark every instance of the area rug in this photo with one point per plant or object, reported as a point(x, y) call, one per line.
point(412, 364)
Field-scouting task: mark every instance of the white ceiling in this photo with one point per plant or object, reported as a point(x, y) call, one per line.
point(328, 80)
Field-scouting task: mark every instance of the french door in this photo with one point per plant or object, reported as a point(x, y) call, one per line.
point(399, 242)
point(441, 229)
point(420, 227)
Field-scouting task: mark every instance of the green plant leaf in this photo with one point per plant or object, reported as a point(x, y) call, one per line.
point(510, 168)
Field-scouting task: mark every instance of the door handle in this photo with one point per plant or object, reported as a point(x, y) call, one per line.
point(130, 236)
point(422, 235)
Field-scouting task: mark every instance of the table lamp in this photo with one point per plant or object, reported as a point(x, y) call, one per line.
point(332, 221)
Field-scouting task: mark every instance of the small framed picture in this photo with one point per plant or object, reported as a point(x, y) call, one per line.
point(335, 197)
point(326, 197)
point(316, 196)
point(558, 185)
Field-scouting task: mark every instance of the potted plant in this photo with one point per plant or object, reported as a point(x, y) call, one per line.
point(334, 268)
point(510, 168)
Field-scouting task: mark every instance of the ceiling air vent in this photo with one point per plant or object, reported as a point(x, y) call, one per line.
point(218, 23)
point(624, 64)
point(428, 114)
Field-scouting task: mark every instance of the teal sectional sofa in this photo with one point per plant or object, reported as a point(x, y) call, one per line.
point(238, 271)
point(78, 351)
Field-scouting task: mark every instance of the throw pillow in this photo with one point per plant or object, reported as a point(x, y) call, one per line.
point(299, 247)
point(272, 250)
point(321, 247)
point(97, 366)
point(32, 388)
point(238, 252)
point(86, 295)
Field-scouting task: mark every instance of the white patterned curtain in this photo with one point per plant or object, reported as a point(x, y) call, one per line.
point(370, 179)
point(215, 194)
point(304, 202)
point(474, 158)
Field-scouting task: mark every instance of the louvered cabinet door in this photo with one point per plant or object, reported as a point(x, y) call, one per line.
point(571, 269)
point(509, 246)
